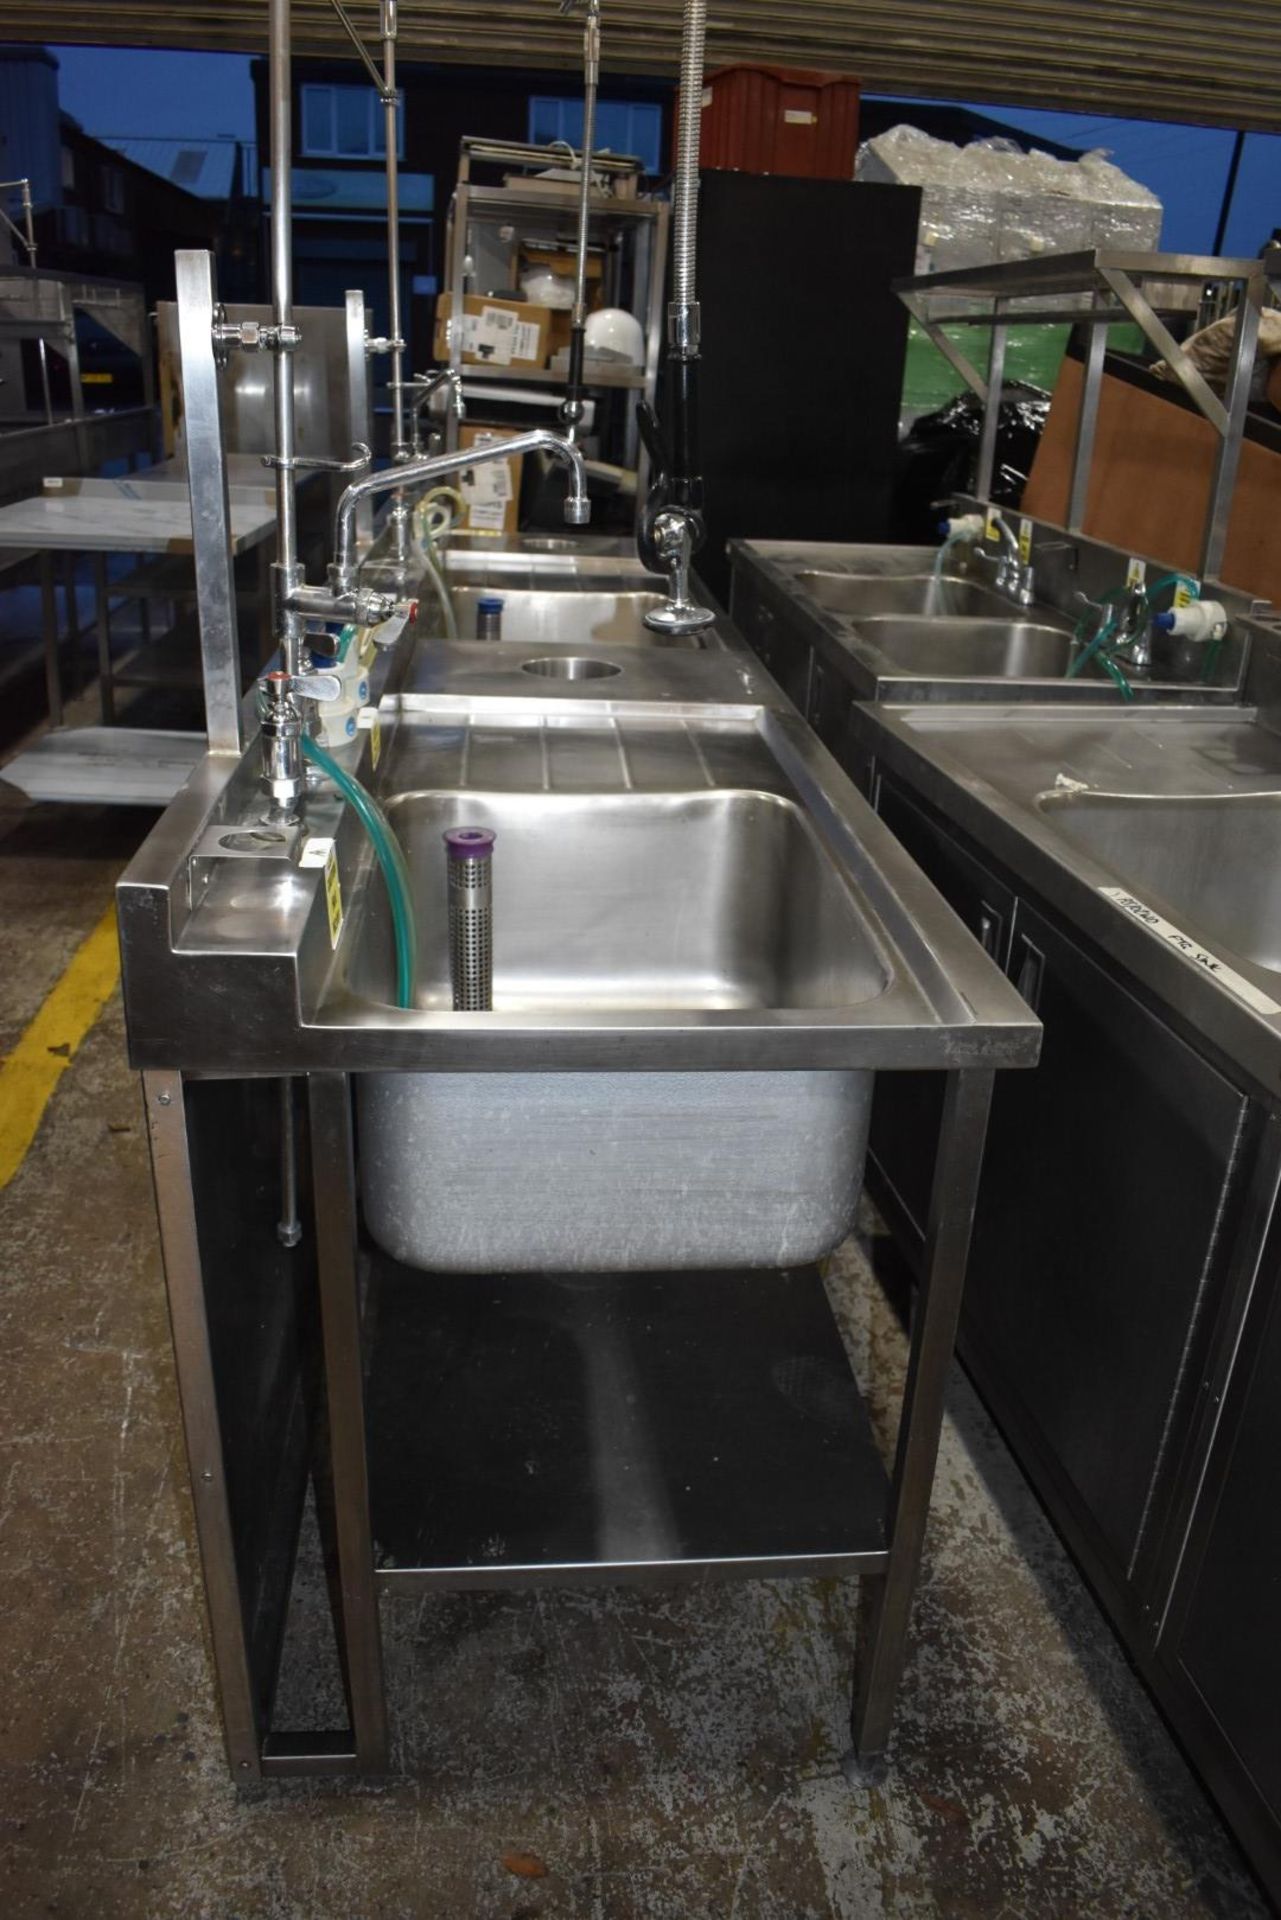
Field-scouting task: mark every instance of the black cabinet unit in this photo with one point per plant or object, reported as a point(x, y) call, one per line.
point(1122, 1315)
point(1099, 1244)
point(1221, 1644)
point(803, 348)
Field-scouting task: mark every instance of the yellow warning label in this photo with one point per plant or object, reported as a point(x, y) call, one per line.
point(333, 897)
point(1025, 541)
point(1186, 591)
point(1136, 571)
point(367, 648)
point(992, 525)
point(375, 742)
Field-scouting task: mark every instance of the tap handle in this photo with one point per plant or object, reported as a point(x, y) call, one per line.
point(361, 457)
point(316, 686)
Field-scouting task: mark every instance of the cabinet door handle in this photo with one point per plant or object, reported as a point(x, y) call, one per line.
point(991, 929)
point(1031, 974)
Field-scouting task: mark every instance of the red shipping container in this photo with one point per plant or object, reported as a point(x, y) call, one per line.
point(780, 120)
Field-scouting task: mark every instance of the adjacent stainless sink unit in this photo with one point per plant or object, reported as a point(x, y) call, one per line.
point(1156, 830)
point(1213, 858)
point(884, 623)
point(945, 648)
point(933, 595)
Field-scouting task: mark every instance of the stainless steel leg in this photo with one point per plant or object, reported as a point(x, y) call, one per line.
point(184, 1281)
point(288, 1227)
point(359, 1634)
point(1086, 423)
point(934, 1319)
point(1245, 341)
point(102, 624)
point(991, 412)
point(73, 623)
point(49, 626)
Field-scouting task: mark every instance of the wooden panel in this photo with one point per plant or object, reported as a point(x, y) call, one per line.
point(1153, 465)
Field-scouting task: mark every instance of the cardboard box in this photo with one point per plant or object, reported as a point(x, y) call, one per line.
point(498, 333)
point(493, 491)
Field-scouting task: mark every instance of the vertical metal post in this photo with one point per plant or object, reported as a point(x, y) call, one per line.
point(391, 121)
point(184, 1282)
point(655, 290)
point(71, 598)
point(210, 504)
point(938, 1305)
point(287, 571)
point(1237, 399)
point(359, 421)
point(359, 1634)
point(1087, 421)
point(102, 625)
point(460, 215)
point(29, 240)
point(572, 406)
point(400, 450)
point(992, 411)
point(49, 628)
point(289, 1226)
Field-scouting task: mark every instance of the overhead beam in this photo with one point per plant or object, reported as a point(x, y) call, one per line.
point(1155, 59)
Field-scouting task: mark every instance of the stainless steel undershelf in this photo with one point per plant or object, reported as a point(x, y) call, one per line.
point(569, 1428)
point(115, 766)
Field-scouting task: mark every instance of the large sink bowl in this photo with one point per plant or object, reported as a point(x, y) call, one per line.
point(678, 903)
point(924, 594)
point(1211, 858)
point(971, 649)
point(545, 616)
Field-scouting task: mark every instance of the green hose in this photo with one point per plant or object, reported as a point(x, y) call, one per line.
point(1115, 674)
point(434, 570)
point(388, 853)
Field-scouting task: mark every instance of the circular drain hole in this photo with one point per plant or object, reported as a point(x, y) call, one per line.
point(570, 666)
point(255, 840)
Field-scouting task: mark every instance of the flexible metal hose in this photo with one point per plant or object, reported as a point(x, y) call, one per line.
point(685, 203)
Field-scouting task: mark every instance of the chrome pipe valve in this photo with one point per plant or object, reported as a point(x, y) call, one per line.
point(673, 541)
point(283, 718)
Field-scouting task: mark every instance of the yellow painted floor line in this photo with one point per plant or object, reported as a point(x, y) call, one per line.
point(30, 1073)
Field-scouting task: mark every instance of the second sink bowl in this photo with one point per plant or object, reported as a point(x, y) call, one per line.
point(925, 594)
point(546, 616)
point(676, 906)
point(971, 649)
point(1212, 859)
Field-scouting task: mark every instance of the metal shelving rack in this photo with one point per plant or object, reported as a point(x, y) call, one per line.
point(1096, 288)
point(548, 210)
point(41, 304)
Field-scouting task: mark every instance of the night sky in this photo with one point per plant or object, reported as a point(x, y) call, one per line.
point(122, 91)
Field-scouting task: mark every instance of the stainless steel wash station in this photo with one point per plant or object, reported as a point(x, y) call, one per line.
point(529, 1294)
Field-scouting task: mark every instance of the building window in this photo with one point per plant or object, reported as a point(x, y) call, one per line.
point(623, 126)
point(68, 169)
point(347, 123)
point(73, 226)
point(187, 167)
point(113, 190)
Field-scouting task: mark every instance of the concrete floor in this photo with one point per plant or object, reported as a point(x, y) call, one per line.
point(592, 1756)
